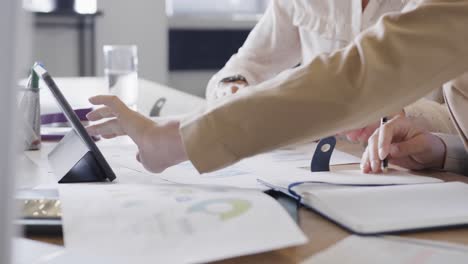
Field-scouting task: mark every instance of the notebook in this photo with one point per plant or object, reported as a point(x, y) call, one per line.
point(304, 181)
point(375, 210)
point(371, 210)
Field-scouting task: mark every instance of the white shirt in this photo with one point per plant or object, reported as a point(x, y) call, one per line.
point(295, 31)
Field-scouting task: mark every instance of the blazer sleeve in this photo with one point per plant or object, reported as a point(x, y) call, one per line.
point(399, 60)
point(431, 116)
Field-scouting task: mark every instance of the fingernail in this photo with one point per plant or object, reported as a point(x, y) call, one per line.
point(366, 167)
point(375, 165)
point(382, 154)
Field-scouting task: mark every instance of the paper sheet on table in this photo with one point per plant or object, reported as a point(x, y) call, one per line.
point(173, 223)
point(371, 250)
point(77, 257)
point(300, 156)
point(241, 175)
point(344, 177)
point(27, 251)
point(121, 152)
point(282, 163)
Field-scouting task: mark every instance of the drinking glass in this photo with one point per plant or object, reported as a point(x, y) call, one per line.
point(121, 70)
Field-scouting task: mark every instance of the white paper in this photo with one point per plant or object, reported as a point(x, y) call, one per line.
point(241, 175)
point(280, 163)
point(121, 152)
point(394, 208)
point(27, 251)
point(172, 224)
point(300, 156)
point(371, 250)
point(78, 257)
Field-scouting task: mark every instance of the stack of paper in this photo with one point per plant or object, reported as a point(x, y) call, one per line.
point(173, 223)
point(390, 250)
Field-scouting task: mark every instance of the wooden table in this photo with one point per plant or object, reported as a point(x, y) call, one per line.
point(323, 233)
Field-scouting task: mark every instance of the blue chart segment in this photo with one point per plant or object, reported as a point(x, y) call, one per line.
point(225, 209)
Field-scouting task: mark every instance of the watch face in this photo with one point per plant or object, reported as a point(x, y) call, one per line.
point(236, 78)
point(229, 88)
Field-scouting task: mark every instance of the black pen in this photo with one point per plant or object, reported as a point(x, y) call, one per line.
point(383, 121)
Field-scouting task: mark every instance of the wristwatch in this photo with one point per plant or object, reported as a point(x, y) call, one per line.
point(230, 85)
point(234, 78)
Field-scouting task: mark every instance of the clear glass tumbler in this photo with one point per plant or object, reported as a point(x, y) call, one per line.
point(121, 70)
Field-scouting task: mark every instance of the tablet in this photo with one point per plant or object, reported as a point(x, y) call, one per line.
point(104, 170)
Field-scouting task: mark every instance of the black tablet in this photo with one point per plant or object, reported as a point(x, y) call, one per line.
point(92, 166)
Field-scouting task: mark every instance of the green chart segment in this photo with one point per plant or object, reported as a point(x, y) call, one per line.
point(233, 208)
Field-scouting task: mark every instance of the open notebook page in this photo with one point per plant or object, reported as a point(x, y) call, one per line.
point(345, 177)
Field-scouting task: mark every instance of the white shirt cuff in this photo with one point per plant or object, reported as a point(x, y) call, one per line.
point(456, 157)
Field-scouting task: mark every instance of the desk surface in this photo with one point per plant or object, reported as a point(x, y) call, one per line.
point(323, 234)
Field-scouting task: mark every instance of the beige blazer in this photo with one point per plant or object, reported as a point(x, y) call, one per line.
point(394, 63)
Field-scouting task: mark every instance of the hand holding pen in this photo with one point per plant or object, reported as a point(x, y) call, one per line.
point(402, 143)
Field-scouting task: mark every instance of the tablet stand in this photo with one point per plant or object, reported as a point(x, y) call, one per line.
point(73, 162)
point(322, 155)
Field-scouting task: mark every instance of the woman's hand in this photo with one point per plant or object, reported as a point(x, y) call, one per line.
point(405, 145)
point(159, 143)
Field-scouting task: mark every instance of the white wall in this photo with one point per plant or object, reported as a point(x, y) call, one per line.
point(143, 23)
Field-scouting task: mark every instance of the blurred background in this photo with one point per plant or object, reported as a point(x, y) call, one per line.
point(180, 44)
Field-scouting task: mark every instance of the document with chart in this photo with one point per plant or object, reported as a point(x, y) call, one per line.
point(173, 223)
